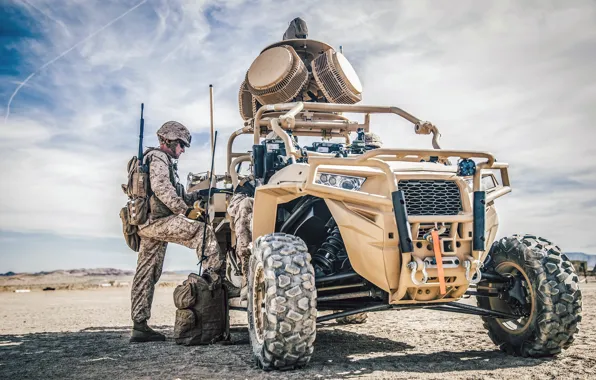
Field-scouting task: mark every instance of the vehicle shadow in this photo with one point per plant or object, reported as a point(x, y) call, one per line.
point(347, 354)
point(104, 352)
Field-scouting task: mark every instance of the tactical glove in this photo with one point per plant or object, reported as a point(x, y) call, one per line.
point(196, 212)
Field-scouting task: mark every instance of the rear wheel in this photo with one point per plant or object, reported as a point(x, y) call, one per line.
point(282, 302)
point(542, 289)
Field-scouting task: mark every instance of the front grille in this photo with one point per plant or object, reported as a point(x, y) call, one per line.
point(431, 197)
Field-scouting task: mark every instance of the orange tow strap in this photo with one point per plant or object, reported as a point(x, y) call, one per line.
point(437, 248)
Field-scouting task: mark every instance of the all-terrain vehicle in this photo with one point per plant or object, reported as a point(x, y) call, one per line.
point(340, 227)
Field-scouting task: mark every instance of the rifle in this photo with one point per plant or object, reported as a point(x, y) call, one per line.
point(203, 257)
point(142, 168)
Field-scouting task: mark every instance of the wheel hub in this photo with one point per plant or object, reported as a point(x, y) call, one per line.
point(515, 298)
point(258, 302)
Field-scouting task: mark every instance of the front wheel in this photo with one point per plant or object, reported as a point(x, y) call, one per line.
point(543, 289)
point(282, 302)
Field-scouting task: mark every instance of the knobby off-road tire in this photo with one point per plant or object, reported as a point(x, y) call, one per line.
point(354, 319)
point(554, 292)
point(282, 302)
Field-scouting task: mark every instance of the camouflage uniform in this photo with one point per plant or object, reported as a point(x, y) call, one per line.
point(240, 210)
point(167, 223)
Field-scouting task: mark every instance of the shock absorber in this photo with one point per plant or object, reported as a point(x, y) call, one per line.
point(331, 254)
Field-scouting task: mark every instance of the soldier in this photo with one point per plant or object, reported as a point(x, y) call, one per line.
point(171, 220)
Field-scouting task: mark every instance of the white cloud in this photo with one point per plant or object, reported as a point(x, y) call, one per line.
point(509, 77)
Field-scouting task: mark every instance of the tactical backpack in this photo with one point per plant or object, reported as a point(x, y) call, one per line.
point(203, 312)
point(136, 211)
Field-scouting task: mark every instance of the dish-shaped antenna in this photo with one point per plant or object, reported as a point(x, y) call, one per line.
point(336, 77)
point(245, 102)
point(277, 75)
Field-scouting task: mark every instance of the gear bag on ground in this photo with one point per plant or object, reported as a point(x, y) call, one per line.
point(203, 314)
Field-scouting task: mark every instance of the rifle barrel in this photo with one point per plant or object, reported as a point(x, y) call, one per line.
point(141, 132)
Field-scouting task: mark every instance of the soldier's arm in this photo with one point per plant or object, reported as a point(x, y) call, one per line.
point(190, 198)
point(159, 177)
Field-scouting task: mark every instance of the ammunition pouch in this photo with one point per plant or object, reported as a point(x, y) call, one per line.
point(139, 188)
point(138, 211)
point(130, 231)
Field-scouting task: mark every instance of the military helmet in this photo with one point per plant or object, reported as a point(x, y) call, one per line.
point(372, 140)
point(173, 130)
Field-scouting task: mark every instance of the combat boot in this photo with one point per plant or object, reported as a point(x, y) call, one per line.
point(143, 333)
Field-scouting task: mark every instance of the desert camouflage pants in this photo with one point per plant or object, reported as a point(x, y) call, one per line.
point(154, 241)
point(240, 209)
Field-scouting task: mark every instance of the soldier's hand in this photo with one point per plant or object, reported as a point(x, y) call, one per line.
point(195, 214)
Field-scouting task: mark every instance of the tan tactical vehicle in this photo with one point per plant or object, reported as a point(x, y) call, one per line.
point(342, 227)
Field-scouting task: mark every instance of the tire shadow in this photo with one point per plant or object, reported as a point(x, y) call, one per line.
point(347, 354)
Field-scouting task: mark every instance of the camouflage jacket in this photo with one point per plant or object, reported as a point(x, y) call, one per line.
point(167, 195)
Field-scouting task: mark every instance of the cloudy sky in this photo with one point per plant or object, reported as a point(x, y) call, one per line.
point(514, 78)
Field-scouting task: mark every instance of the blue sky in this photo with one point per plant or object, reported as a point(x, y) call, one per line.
point(514, 78)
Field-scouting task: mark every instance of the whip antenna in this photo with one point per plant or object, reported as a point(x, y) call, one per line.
point(211, 133)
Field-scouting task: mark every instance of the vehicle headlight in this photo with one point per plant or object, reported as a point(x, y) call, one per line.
point(345, 182)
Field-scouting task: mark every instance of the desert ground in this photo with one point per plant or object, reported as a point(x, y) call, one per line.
point(84, 334)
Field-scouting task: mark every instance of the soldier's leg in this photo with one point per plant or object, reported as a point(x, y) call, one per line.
point(243, 227)
point(189, 233)
point(149, 268)
point(241, 209)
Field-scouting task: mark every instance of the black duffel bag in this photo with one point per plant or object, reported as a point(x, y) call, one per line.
point(203, 315)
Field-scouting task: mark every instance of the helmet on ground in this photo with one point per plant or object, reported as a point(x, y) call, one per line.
point(173, 130)
point(372, 140)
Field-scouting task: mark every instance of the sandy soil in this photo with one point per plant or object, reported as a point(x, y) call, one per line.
point(84, 334)
point(82, 279)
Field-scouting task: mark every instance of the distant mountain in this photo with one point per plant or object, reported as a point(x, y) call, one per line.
point(78, 272)
point(89, 272)
point(79, 279)
point(591, 259)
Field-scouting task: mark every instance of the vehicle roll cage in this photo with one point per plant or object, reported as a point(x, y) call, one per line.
point(323, 119)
